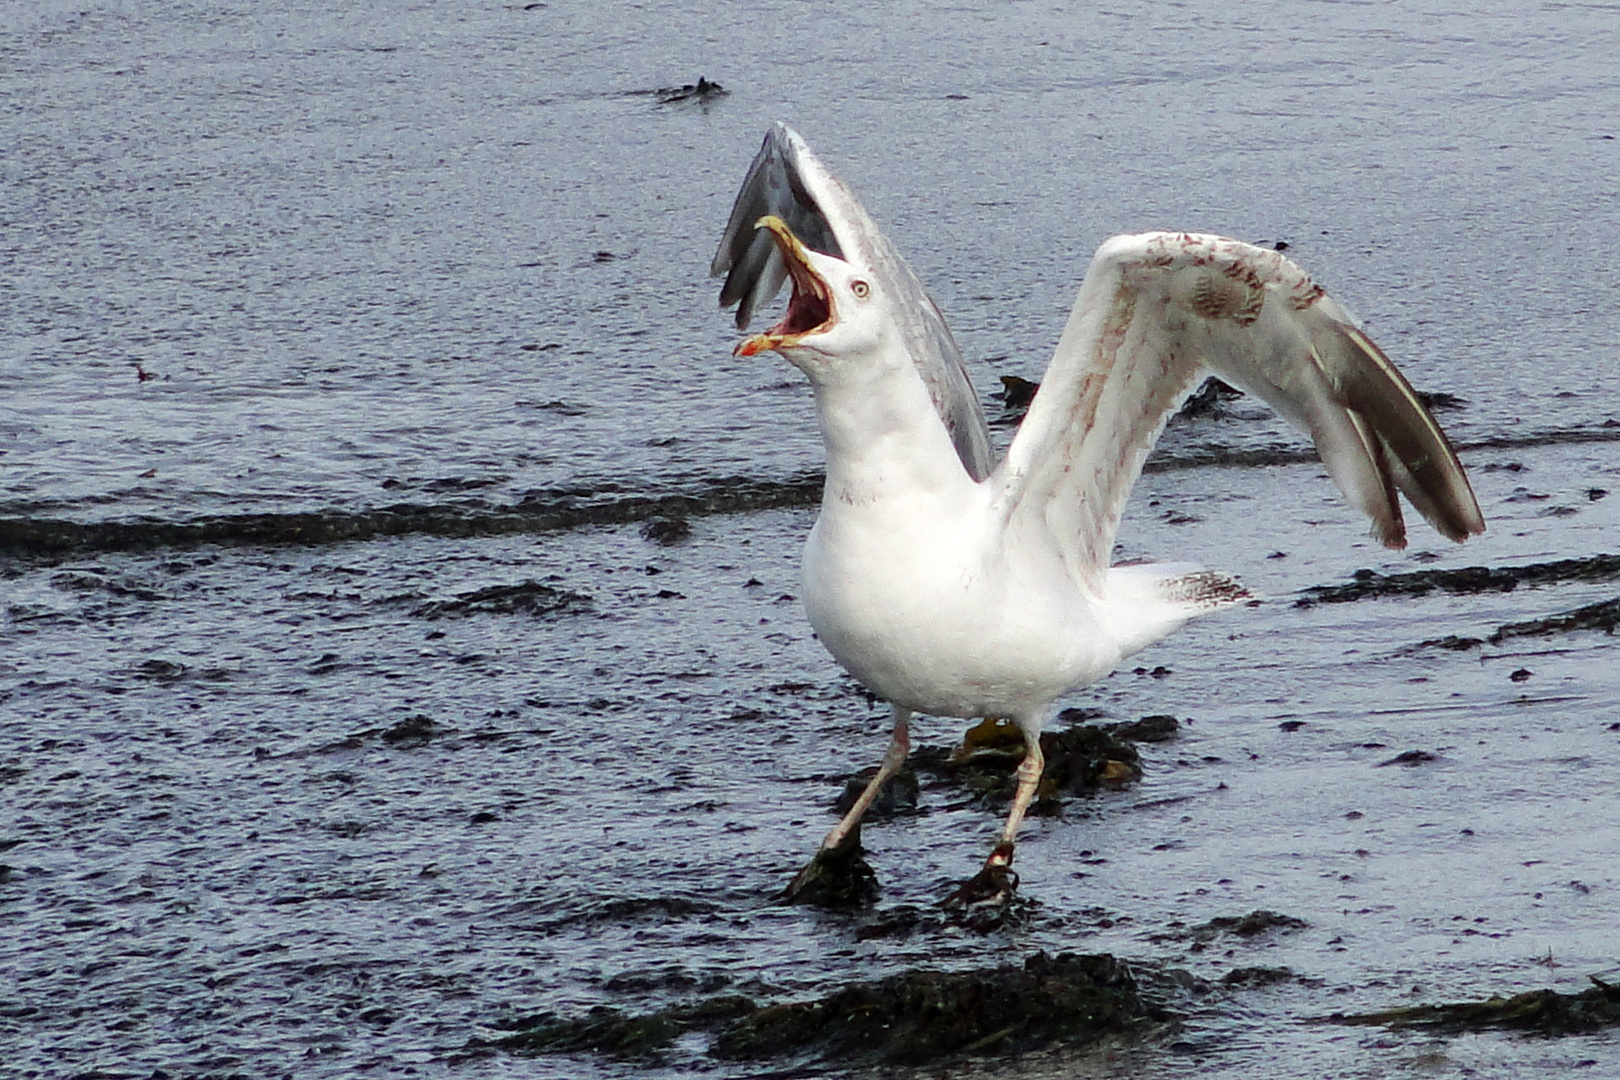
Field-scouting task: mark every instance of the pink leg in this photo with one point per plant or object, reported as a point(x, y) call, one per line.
point(811, 885)
point(1029, 777)
point(893, 758)
point(996, 882)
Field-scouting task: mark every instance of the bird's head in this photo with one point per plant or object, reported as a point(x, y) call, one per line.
point(834, 312)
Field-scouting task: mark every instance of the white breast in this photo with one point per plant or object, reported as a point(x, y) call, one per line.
point(918, 603)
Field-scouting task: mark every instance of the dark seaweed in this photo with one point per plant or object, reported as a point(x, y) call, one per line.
point(539, 511)
point(523, 598)
point(909, 1018)
point(1465, 581)
point(920, 1016)
point(1546, 1012)
point(1604, 615)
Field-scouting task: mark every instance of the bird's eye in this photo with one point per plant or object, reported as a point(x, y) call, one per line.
point(860, 288)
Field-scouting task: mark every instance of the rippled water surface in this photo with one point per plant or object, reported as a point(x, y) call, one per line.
point(346, 711)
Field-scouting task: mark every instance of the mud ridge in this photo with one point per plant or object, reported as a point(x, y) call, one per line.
point(552, 510)
point(1543, 1011)
point(547, 511)
point(1603, 615)
point(1463, 581)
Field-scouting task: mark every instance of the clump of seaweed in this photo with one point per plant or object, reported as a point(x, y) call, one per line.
point(1080, 760)
point(1465, 580)
point(1604, 615)
point(1545, 1012)
point(1253, 925)
point(919, 1016)
point(908, 1018)
point(523, 598)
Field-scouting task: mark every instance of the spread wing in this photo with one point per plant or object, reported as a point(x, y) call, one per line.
point(787, 180)
point(1158, 309)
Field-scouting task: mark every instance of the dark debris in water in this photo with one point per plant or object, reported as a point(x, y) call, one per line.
point(1411, 759)
point(1465, 581)
point(609, 1031)
point(1250, 978)
point(1084, 760)
point(1604, 615)
point(159, 670)
point(897, 799)
point(1452, 642)
point(523, 598)
point(920, 1016)
point(1208, 401)
point(1016, 394)
point(702, 91)
point(93, 581)
point(1546, 1012)
point(1254, 924)
point(538, 511)
point(667, 531)
point(838, 880)
point(1440, 401)
point(411, 732)
point(665, 978)
point(573, 912)
point(910, 1018)
point(1152, 729)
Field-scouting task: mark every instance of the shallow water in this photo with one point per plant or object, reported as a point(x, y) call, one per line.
point(447, 261)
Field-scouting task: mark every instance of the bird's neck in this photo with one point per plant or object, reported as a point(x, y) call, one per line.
point(885, 441)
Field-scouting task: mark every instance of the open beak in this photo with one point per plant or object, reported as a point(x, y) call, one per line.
point(810, 309)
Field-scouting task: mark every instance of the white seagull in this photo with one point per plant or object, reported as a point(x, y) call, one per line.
point(953, 584)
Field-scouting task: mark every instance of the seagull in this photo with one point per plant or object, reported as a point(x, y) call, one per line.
point(953, 584)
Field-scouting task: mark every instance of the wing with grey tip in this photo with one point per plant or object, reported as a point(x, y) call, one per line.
point(787, 180)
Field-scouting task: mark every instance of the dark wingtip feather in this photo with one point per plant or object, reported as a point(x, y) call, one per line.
point(1417, 456)
point(775, 184)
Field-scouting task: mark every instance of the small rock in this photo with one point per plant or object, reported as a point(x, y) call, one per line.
point(413, 731)
point(1152, 729)
point(667, 531)
point(1411, 759)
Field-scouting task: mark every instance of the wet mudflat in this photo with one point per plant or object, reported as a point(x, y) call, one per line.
point(382, 804)
point(402, 669)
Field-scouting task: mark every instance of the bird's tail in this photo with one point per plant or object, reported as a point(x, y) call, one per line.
point(1148, 601)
